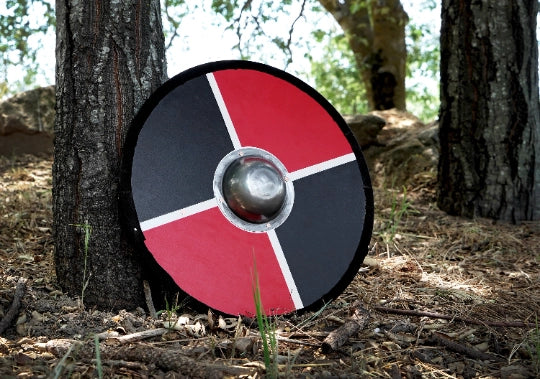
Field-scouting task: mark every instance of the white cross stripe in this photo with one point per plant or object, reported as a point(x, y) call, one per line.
point(178, 214)
point(285, 270)
point(319, 167)
point(224, 111)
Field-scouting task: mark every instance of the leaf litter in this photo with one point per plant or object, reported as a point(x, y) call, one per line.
point(447, 298)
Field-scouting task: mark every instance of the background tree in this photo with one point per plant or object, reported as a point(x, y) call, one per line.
point(110, 58)
point(376, 34)
point(375, 31)
point(490, 118)
point(336, 74)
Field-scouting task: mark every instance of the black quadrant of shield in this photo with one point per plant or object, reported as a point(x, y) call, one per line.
point(320, 236)
point(168, 176)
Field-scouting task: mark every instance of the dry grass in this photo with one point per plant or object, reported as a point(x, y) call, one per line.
point(422, 261)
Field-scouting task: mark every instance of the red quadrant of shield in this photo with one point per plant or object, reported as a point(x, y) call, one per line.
point(214, 261)
point(272, 114)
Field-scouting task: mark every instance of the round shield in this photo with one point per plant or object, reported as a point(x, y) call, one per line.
point(239, 176)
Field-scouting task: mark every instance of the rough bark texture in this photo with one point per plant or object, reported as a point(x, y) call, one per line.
point(376, 34)
point(110, 58)
point(490, 119)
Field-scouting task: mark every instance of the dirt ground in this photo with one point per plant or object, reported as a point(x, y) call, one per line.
point(446, 298)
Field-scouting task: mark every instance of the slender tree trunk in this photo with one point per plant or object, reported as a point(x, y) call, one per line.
point(110, 58)
point(388, 70)
point(376, 34)
point(490, 117)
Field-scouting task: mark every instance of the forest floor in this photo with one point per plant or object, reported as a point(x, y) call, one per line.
point(446, 297)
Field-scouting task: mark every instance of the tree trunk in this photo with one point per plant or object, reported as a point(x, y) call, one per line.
point(490, 118)
point(110, 58)
point(376, 34)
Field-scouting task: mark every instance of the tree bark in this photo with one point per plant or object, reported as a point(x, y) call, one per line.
point(490, 116)
point(110, 58)
point(376, 34)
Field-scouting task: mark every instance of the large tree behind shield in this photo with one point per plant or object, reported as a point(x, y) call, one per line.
point(490, 116)
point(376, 34)
point(110, 58)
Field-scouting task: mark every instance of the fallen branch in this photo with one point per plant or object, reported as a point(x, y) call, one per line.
point(410, 312)
point(338, 337)
point(15, 305)
point(170, 360)
point(471, 352)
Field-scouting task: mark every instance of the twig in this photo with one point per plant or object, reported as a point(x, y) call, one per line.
point(245, 7)
point(174, 23)
point(15, 305)
point(291, 30)
point(450, 344)
point(148, 298)
point(128, 338)
point(298, 342)
point(410, 312)
point(338, 337)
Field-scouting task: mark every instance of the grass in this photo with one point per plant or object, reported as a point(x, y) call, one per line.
point(312, 317)
point(87, 228)
point(64, 368)
point(99, 367)
point(267, 330)
point(58, 371)
point(170, 312)
point(397, 210)
point(534, 342)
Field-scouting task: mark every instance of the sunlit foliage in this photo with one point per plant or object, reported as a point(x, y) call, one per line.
point(266, 31)
point(20, 30)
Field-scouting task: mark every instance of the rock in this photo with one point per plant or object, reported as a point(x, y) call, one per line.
point(365, 128)
point(27, 122)
point(244, 345)
point(430, 135)
point(406, 151)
